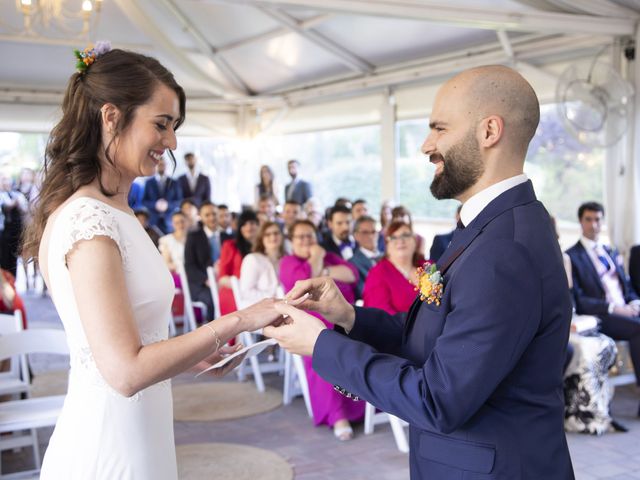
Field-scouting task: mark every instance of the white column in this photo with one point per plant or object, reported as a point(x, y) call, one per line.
point(622, 168)
point(389, 175)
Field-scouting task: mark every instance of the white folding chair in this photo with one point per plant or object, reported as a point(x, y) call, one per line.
point(295, 381)
point(215, 296)
point(31, 413)
point(17, 380)
point(371, 419)
point(189, 318)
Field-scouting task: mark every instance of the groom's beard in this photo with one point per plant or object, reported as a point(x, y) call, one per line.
point(461, 169)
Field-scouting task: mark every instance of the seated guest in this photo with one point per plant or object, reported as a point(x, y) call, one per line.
point(172, 244)
point(10, 301)
point(634, 268)
point(171, 247)
point(291, 213)
point(359, 209)
point(202, 249)
point(601, 286)
point(339, 240)
point(233, 252)
point(267, 207)
point(311, 260)
point(366, 254)
point(154, 232)
point(259, 274)
point(190, 213)
point(587, 391)
point(441, 242)
point(385, 219)
point(194, 185)
point(390, 285)
point(402, 214)
point(313, 212)
point(224, 223)
point(162, 196)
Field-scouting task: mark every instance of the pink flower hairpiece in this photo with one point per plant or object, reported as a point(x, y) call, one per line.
point(90, 55)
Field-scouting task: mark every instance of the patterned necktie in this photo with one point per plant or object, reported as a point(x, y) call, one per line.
point(602, 257)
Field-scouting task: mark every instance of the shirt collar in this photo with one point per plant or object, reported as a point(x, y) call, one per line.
point(208, 232)
point(472, 207)
point(369, 253)
point(588, 244)
point(196, 172)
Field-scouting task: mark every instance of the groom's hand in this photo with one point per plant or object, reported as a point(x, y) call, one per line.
point(299, 332)
point(324, 298)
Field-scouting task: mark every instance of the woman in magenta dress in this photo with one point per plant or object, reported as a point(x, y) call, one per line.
point(311, 260)
point(231, 255)
point(390, 285)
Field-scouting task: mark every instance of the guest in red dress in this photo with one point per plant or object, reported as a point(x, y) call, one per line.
point(231, 255)
point(390, 284)
point(10, 301)
point(311, 260)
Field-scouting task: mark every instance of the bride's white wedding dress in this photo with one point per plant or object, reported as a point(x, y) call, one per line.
point(101, 434)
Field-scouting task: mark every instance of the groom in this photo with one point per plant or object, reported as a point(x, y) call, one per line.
point(475, 368)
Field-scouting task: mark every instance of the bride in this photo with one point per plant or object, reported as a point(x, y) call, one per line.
point(108, 282)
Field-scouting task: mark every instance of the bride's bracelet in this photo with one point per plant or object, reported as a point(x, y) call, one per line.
point(215, 335)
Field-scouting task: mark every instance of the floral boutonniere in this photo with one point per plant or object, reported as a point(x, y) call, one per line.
point(430, 283)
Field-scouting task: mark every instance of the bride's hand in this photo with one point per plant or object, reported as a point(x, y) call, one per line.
point(219, 355)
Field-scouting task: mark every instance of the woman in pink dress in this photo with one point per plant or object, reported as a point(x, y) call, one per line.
point(311, 260)
point(390, 285)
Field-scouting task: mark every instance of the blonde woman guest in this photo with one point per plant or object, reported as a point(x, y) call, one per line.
point(390, 284)
point(172, 245)
point(261, 269)
point(311, 260)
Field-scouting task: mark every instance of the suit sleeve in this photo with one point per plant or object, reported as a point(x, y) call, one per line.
point(149, 196)
point(495, 312)
point(175, 198)
point(194, 264)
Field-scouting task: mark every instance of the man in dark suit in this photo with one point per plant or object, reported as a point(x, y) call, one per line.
point(441, 242)
point(475, 366)
point(298, 190)
point(634, 268)
point(224, 223)
point(162, 196)
point(339, 239)
point(601, 286)
point(202, 250)
point(195, 186)
point(366, 254)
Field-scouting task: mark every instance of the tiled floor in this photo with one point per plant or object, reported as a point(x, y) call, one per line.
point(315, 454)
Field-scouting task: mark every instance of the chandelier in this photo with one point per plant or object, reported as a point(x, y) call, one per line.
point(63, 14)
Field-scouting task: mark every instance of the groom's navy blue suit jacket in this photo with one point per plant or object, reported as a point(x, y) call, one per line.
point(479, 377)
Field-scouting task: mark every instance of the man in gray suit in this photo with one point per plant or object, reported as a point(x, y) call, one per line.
point(366, 254)
point(298, 190)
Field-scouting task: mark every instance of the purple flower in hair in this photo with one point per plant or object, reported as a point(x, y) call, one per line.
point(102, 47)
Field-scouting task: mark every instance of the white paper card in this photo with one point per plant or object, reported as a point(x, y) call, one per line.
point(251, 351)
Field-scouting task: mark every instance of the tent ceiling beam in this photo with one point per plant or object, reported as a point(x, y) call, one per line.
point(206, 48)
point(596, 7)
point(345, 56)
point(140, 19)
point(469, 17)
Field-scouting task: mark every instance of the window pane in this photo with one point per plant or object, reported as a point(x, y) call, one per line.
point(415, 173)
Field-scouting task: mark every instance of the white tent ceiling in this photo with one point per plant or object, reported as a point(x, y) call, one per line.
point(290, 65)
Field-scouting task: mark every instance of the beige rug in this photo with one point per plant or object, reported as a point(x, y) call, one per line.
point(201, 402)
point(50, 383)
point(227, 461)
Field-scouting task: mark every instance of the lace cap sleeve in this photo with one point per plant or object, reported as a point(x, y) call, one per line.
point(84, 219)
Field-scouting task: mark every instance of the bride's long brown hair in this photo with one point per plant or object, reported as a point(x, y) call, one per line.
point(72, 157)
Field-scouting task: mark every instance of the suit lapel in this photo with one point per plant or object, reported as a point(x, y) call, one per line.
point(516, 196)
point(586, 259)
